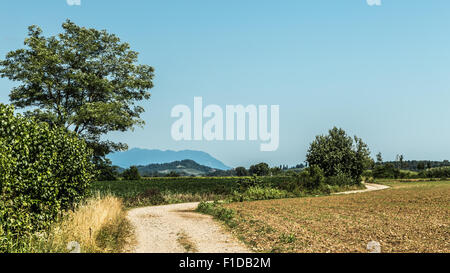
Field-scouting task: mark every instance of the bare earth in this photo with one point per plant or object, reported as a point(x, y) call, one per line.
point(178, 229)
point(159, 230)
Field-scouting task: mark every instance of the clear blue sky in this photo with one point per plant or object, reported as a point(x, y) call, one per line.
point(380, 72)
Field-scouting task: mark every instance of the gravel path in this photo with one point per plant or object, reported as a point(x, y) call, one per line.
point(369, 187)
point(178, 229)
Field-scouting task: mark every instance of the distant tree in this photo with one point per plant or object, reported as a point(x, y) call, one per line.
point(337, 153)
point(131, 174)
point(275, 171)
point(421, 166)
point(241, 171)
point(400, 160)
point(387, 170)
point(379, 158)
point(261, 169)
point(84, 80)
point(173, 174)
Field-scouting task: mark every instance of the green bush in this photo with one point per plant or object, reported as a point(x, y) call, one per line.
point(242, 184)
point(43, 171)
point(106, 172)
point(387, 170)
point(131, 174)
point(341, 179)
point(148, 197)
point(442, 172)
point(219, 212)
point(259, 193)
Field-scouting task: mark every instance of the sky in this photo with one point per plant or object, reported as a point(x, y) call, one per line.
point(381, 72)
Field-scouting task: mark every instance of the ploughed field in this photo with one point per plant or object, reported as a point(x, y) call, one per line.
point(408, 217)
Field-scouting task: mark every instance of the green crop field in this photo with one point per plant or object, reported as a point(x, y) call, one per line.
point(155, 191)
point(168, 190)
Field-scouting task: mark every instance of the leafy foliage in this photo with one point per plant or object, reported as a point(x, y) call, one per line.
point(221, 213)
point(83, 79)
point(442, 172)
point(337, 154)
point(107, 172)
point(260, 169)
point(260, 193)
point(131, 174)
point(387, 170)
point(43, 170)
point(241, 171)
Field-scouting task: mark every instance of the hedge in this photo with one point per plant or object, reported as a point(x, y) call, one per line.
point(43, 171)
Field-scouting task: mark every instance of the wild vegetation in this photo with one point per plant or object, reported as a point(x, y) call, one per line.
point(97, 225)
point(44, 171)
point(73, 87)
point(169, 190)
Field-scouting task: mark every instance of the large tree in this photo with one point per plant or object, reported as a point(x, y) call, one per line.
point(337, 153)
point(85, 80)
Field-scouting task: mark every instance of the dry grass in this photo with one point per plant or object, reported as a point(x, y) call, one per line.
point(98, 225)
point(410, 217)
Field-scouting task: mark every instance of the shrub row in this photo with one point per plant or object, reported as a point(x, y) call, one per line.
point(43, 171)
point(390, 171)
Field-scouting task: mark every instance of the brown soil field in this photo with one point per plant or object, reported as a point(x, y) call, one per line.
point(408, 217)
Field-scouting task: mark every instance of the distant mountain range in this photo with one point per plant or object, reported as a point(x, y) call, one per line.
point(144, 157)
point(184, 167)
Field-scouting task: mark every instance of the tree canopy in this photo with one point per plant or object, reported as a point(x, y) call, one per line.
point(337, 154)
point(85, 80)
point(261, 169)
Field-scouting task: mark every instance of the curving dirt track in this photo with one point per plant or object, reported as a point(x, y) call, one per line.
point(178, 229)
point(369, 187)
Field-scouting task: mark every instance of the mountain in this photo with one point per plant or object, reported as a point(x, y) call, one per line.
point(143, 157)
point(183, 167)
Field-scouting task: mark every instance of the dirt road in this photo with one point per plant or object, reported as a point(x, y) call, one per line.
point(369, 187)
point(178, 229)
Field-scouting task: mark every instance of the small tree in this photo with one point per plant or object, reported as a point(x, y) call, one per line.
point(421, 166)
point(379, 158)
point(131, 174)
point(400, 160)
point(261, 169)
point(337, 154)
point(275, 171)
point(241, 171)
point(173, 174)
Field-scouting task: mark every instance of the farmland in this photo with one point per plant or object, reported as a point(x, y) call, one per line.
point(156, 191)
point(162, 190)
point(409, 217)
